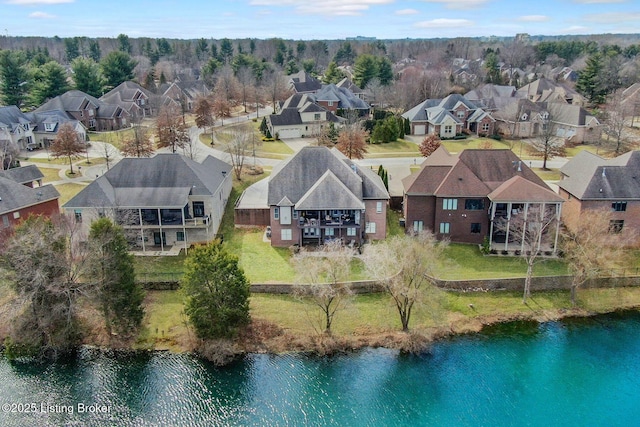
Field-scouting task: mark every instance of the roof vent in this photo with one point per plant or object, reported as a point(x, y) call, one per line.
point(354, 168)
point(604, 172)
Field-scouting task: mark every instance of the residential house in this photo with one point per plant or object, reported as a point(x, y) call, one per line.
point(520, 118)
point(470, 196)
point(573, 123)
point(334, 98)
point(185, 93)
point(545, 90)
point(448, 117)
point(631, 101)
point(491, 97)
point(353, 88)
point(319, 195)
point(592, 182)
point(563, 74)
point(163, 202)
point(46, 125)
point(16, 126)
point(303, 82)
point(133, 98)
point(93, 113)
point(20, 197)
point(300, 116)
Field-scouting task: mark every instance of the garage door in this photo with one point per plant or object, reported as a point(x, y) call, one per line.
point(419, 129)
point(289, 133)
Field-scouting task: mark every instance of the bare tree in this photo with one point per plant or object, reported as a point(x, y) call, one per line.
point(429, 144)
point(240, 145)
point(9, 152)
point(322, 275)
point(67, 144)
point(592, 241)
point(546, 144)
point(171, 131)
point(352, 141)
point(616, 113)
point(276, 82)
point(533, 229)
point(139, 144)
point(109, 152)
point(204, 114)
point(404, 266)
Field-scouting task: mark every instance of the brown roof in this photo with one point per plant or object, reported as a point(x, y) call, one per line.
point(425, 181)
point(518, 189)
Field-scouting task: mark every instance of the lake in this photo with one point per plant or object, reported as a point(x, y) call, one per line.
point(578, 372)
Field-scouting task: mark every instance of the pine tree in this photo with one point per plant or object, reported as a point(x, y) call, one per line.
point(589, 81)
point(14, 77)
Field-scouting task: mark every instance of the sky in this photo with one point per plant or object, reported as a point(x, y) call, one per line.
point(320, 19)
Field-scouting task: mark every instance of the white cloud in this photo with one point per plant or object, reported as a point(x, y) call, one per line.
point(329, 7)
point(37, 2)
point(533, 18)
point(575, 29)
point(598, 1)
point(41, 15)
point(444, 23)
point(613, 17)
point(407, 12)
point(459, 4)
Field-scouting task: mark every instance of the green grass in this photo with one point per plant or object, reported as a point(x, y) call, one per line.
point(457, 145)
point(50, 174)
point(67, 191)
point(548, 175)
point(466, 262)
point(114, 138)
point(159, 267)
point(273, 147)
point(52, 160)
point(164, 323)
point(399, 148)
point(393, 223)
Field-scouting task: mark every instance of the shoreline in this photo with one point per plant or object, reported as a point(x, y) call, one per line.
point(224, 352)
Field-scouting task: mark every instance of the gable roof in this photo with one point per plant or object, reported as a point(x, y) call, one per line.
point(24, 174)
point(592, 177)
point(472, 173)
point(304, 82)
point(15, 196)
point(164, 180)
point(438, 110)
point(75, 100)
point(329, 193)
point(518, 189)
point(345, 98)
point(293, 178)
point(11, 116)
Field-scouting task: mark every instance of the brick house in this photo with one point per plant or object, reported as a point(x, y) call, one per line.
point(22, 194)
point(591, 182)
point(448, 117)
point(463, 197)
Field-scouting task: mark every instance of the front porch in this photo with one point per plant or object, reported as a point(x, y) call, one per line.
point(319, 227)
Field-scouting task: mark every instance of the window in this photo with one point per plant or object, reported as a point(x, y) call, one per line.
point(615, 225)
point(180, 236)
point(474, 204)
point(485, 127)
point(78, 215)
point(418, 226)
point(5, 221)
point(276, 213)
point(295, 214)
point(445, 227)
point(330, 103)
point(449, 204)
point(285, 234)
point(16, 215)
point(329, 232)
point(448, 129)
point(90, 113)
point(49, 127)
point(379, 207)
point(370, 228)
point(460, 114)
point(198, 209)
point(476, 227)
point(619, 206)
point(351, 231)
point(316, 116)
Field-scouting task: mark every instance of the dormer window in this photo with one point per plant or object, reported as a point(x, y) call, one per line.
point(460, 114)
point(25, 126)
point(524, 117)
point(545, 115)
point(49, 127)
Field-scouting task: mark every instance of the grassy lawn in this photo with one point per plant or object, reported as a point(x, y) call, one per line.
point(114, 138)
point(457, 145)
point(466, 262)
point(52, 160)
point(164, 324)
point(548, 175)
point(160, 267)
point(399, 148)
point(67, 191)
point(393, 223)
point(50, 174)
point(273, 147)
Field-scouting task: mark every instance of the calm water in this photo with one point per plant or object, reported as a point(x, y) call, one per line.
point(575, 373)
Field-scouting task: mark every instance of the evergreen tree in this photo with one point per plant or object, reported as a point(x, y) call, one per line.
point(385, 71)
point(14, 77)
point(86, 76)
point(124, 45)
point(226, 50)
point(49, 81)
point(493, 71)
point(94, 50)
point(117, 67)
point(365, 69)
point(118, 296)
point(216, 291)
point(202, 49)
point(589, 80)
point(72, 49)
point(333, 74)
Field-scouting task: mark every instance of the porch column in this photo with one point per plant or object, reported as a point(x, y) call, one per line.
point(542, 214)
point(160, 222)
point(141, 228)
point(524, 226)
point(184, 232)
point(558, 214)
point(506, 236)
point(492, 218)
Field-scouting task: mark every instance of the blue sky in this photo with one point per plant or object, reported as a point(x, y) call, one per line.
point(321, 19)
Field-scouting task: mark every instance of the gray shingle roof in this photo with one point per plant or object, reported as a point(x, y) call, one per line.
point(15, 196)
point(329, 193)
point(24, 174)
point(590, 177)
point(294, 177)
point(162, 180)
point(345, 98)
